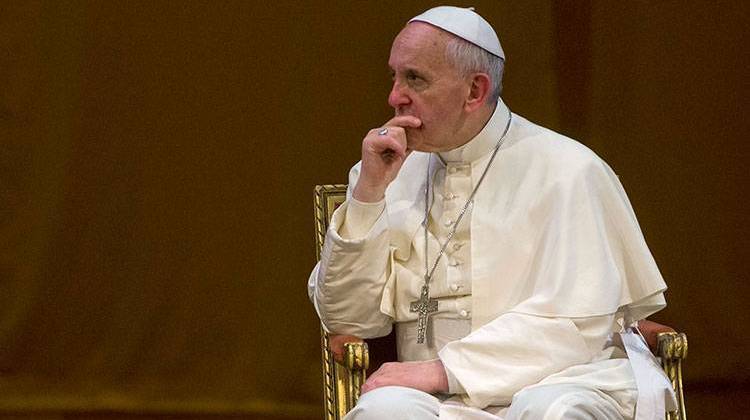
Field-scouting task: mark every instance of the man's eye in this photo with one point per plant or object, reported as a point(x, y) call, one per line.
point(416, 81)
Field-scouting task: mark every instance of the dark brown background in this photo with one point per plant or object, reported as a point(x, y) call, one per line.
point(158, 160)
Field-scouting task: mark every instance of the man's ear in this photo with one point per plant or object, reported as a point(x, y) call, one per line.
point(479, 90)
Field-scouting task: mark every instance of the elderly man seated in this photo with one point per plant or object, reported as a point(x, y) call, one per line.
point(506, 255)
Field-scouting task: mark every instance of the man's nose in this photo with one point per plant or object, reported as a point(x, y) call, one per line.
point(397, 98)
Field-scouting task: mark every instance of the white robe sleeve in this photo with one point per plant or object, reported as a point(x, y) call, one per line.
point(346, 286)
point(360, 218)
point(517, 350)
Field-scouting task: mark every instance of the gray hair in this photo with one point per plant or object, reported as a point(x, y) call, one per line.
point(468, 58)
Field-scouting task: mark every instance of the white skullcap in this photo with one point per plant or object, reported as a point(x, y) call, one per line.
point(464, 23)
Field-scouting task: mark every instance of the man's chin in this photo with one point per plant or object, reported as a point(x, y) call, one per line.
point(421, 144)
point(417, 142)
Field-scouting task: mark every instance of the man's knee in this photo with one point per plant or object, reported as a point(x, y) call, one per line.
point(395, 402)
point(562, 402)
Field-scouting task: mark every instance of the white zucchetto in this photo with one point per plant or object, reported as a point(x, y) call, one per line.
point(464, 23)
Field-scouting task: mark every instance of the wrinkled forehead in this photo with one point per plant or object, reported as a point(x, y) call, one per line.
point(419, 40)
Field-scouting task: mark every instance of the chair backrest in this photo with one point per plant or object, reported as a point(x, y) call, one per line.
point(337, 386)
point(327, 199)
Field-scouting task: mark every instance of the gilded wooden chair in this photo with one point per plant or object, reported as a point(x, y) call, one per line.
point(346, 359)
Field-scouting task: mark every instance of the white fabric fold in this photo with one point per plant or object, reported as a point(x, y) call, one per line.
point(493, 362)
point(350, 269)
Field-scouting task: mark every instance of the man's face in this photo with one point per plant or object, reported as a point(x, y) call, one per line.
point(428, 87)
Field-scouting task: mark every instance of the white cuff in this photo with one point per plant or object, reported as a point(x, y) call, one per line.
point(360, 218)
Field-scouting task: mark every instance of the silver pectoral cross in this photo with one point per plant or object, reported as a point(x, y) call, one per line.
point(424, 307)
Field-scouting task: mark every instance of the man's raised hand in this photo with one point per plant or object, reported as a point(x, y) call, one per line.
point(384, 150)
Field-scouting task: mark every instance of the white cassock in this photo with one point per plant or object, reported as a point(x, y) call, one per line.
point(547, 266)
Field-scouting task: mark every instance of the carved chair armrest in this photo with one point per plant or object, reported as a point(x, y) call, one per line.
point(672, 346)
point(349, 350)
point(352, 360)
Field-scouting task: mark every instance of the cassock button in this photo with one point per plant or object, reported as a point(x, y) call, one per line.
point(454, 287)
point(457, 246)
point(464, 313)
point(448, 223)
point(450, 196)
point(454, 263)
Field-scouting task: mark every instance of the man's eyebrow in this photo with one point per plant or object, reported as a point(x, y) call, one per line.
point(413, 70)
point(408, 70)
